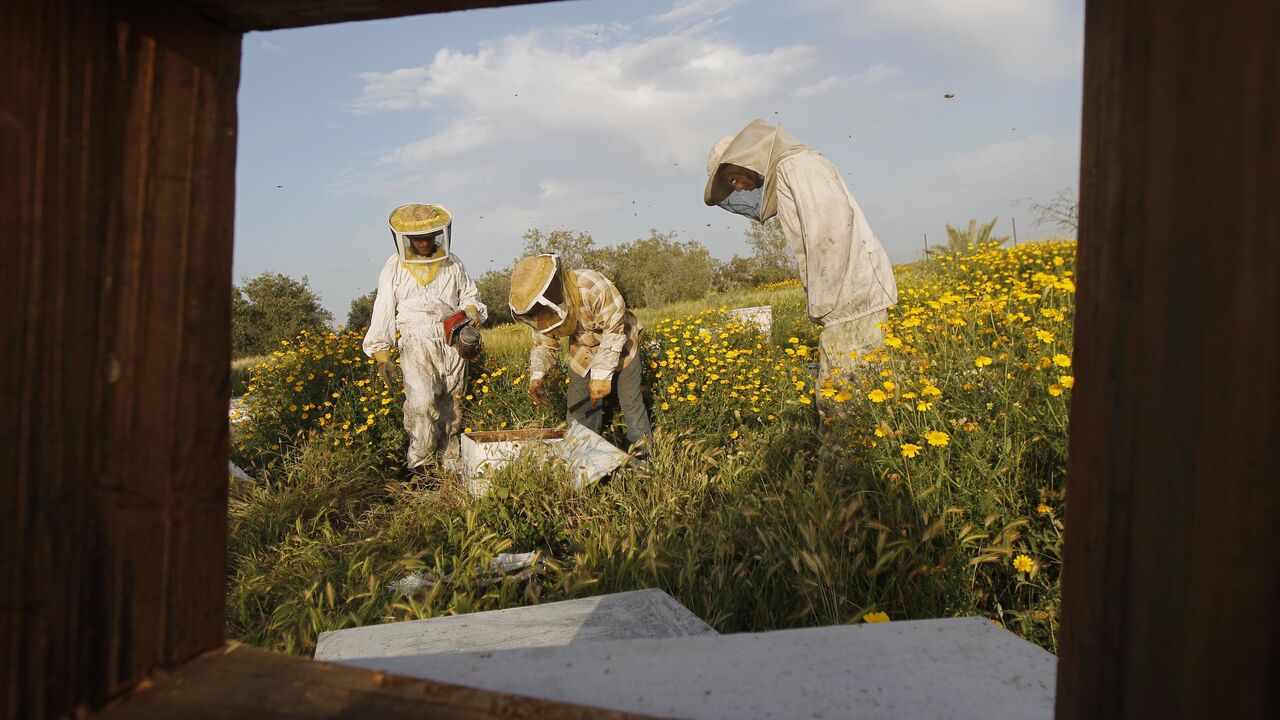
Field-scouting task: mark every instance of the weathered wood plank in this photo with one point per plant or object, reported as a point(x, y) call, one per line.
point(177, 280)
point(240, 682)
point(1170, 584)
point(51, 210)
point(119, 152)
point(257, 15)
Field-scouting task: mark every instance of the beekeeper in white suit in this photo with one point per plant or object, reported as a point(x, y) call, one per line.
point(764, 171)
point(425, 294)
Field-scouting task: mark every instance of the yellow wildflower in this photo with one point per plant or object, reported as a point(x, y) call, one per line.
point(910, 450)
point(876, 617)
point(1022, 563)
point(937, 438)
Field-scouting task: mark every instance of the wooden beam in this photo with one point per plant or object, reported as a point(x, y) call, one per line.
point(277, 14)
point(117, 194)
point(240, 682)
point(1170, 579)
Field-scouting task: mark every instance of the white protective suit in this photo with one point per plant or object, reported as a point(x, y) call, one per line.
point(435, 375)
point(847, 276)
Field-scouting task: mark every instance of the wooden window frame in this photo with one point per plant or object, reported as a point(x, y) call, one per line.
point(117, 150)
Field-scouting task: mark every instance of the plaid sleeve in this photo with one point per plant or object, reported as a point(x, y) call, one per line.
point(608, 310)
point(543, 355)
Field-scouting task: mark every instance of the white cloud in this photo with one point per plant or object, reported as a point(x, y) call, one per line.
point(999, 160)
point(552, 187)
point(271, 47)
point(856, 82)
point(989, 181)
point(1030, 39)
point(694, 10)
point(395, 90)
point(649, 102)
point(459, 137)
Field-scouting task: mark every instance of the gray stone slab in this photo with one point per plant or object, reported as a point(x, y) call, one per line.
point(952, 668)
point(638, 614)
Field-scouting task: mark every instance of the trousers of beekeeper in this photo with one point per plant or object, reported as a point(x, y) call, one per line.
point(626, 388)
point(435, 376)
point(841, 347)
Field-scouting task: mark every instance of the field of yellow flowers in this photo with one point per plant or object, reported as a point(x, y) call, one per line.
point(934, 485)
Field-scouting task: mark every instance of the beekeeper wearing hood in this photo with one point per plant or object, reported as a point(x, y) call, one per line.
point(764, 171)
point(604, 341)
point(424, 293)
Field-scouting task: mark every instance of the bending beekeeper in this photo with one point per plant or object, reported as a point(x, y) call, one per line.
point(764, 171)
point(424, 293)
point(604, 342)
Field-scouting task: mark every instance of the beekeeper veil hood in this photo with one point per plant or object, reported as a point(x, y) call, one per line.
point(544, 295)
point(416, 220)
point(758, 147)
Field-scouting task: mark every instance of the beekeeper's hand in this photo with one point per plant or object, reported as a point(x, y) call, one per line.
point(599, 389)
point(474, 314)
point(537, 393)
point(387, 369)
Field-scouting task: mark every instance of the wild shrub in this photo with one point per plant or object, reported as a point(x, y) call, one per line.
point(936, 488)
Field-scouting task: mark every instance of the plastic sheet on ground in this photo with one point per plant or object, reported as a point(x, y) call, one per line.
point(503, 566)
point(588, 456)
point(234, 471)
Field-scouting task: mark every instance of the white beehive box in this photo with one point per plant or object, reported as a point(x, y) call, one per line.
point(589, 456)
point(761, 317)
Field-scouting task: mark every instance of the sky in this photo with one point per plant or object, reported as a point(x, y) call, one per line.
point(598, 115)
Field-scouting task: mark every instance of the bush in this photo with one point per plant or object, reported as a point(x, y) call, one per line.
point(657, 270)
point(936, 489)
point(241, 372)
point(495, 290)
point(361, 312)
point(272, 308)
point(318, 384)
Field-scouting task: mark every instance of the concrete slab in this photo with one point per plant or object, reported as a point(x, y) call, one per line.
point(639, 614)
point(952, 668)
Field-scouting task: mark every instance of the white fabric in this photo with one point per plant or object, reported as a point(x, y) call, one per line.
point(717, 151)
point(839, 342)
point(412, 309)
point(758, 147)
point(435, 374)
point(843, 267)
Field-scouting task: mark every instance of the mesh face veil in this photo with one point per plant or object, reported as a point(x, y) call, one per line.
point(744, 202)
point(537, 293)
point(416, 220)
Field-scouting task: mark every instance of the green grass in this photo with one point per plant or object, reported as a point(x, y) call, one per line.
point(241, 370)
point(751, 513)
